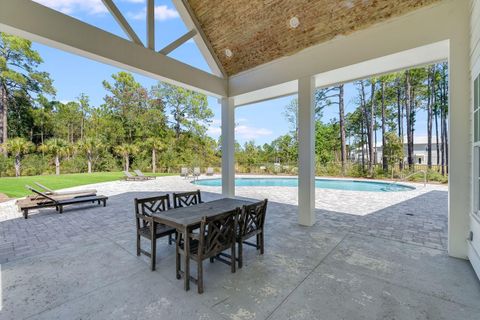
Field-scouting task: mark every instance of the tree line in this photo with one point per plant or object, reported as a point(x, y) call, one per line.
point(159, 126)
point(164, 127)
point(385, 114)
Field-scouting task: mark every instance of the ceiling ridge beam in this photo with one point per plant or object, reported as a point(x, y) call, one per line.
point(122, 21)
point(151, 24)
point(177, 43)
point(189, 18)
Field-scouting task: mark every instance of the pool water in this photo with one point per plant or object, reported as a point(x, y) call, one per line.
point(352, 185)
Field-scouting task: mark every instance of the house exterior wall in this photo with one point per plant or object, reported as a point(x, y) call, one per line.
point(474, 243)
point(420, 152)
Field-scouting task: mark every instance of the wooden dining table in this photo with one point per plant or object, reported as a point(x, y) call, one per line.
point(186, 219)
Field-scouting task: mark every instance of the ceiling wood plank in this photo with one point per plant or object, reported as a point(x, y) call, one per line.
point(122, 21)
point(260, 31)
point(177, 43)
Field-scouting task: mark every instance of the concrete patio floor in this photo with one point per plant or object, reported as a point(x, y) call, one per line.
point(380, 263)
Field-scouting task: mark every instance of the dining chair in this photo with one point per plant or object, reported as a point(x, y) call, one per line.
point(186, 199)
point(147, 228)
point(251, 223)
point(216, 234)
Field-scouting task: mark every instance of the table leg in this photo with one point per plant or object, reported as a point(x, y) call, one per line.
point(186, 247)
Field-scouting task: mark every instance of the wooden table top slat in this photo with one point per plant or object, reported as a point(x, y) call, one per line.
point(192, 215)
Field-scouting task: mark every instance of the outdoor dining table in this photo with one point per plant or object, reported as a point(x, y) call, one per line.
point(187, 218)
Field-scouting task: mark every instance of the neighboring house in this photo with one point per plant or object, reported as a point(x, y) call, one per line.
point(420, 151)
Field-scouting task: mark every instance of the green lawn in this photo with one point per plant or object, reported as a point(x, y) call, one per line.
point(15, 187)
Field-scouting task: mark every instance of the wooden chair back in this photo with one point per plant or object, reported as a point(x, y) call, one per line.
point(217, 234)
point(148, 206)
point(252, 218)
point(186, 199)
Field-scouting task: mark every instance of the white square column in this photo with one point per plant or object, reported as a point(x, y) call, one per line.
point(306, 151)
point(228, 147)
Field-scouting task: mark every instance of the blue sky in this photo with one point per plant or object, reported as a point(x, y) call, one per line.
point(72, 75)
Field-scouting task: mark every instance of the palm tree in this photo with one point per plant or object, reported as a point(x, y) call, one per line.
point(125, 150)
point(18, 147)
point(90, 146)
point(155, 144)
point(58, 148)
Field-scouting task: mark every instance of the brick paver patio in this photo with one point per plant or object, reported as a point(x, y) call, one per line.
point(369, 254)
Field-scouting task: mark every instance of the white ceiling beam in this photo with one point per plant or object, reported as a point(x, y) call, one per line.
point(151, 24)
point(177, 43)
point(416, 57)
point(122, 21)
point(191, 21)
point(38, 23)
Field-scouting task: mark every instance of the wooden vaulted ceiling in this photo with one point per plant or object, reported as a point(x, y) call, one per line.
point(258, 31)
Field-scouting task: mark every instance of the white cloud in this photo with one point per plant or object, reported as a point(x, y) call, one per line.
point(71, 6)
point(165, 13)
point(162, 13)
point(247, 132)
point(214, 132)
point(241, 131)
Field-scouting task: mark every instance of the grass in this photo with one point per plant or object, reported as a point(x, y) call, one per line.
point(15, 187)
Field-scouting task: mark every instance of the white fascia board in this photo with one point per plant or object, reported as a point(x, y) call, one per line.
point(410, 58)
point(422, 27)
point(281, 90)
point(38, 23)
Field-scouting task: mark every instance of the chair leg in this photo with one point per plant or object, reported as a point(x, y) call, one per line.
point(178, 261)
point(169, 239)
point(234, 260)
point(153, 253)
point(153, 239)
point(240, 254)
point(138, 244)
point(258, 241)
point(262, 243)
point(200, 276)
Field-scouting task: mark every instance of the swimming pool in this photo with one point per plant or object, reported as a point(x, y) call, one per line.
point(352, 185)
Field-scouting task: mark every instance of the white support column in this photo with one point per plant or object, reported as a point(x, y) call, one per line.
point(459, 143)
point(306, 151)
point(228, 147)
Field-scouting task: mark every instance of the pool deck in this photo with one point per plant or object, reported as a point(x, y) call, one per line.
point(371, 255)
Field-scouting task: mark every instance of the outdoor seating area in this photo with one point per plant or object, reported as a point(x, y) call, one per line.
point(270, 160)
point(203, 230)
point(303, 273)
point(196, 172)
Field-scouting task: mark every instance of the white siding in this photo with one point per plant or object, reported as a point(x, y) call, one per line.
point(474, 245)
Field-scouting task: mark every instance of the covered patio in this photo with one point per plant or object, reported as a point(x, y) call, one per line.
point(319, 264)
point(83, 264)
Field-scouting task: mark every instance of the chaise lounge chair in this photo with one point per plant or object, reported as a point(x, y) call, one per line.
point(140, 174)
point(184, 172)
point(131, 177)
point(196, 172)
point(83, 192)
point(46, 201)
point(209, 171)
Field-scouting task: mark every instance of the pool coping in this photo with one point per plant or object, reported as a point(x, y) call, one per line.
point(411, 185)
